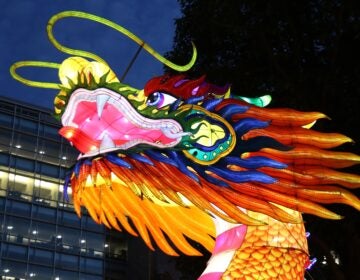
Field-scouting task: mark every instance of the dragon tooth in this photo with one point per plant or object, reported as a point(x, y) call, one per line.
point(172, 135)
point(101, 100)
point(107, 143)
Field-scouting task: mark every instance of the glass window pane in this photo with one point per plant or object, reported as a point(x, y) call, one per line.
point(90, 265)
point(40, 272)
point(66, 261)
point(13, 269)
point(5, 137)
point(6, 120)
point(84, 276)
point(95, 242)
point(68, 239)
point(89, 224)
point(49, 170)
point(49, 151)
point(24, 145)
point(69, 219)
point(20, 187)
point(25, 164)
point(43, 234)
point(18, 208)
point(46, 192)
point(49, 131)
point(65, 274)
point(2, 205)
point(16, 229)
point(16, 252)
point(28, 126)
point(27, 142)
point(44, 213)
point(41, 256)
point(4, 159)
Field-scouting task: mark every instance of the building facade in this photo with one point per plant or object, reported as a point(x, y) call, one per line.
point(41, 237)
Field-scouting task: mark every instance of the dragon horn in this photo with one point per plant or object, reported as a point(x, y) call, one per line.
point(119, 28)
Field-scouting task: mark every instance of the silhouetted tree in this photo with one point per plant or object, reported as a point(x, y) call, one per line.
point(306, 55)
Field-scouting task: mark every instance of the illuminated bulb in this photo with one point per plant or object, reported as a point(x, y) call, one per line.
point(106, 245)
point(82, 241)
point(32, 274)
point(34, 232)
point(69, 134)
point(6, 270)
point(18, 146)
point(41, 152)
point(10, 227)
point(59, 236)
point(64, 157)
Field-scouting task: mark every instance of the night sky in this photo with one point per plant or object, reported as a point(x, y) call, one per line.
point(23, 37)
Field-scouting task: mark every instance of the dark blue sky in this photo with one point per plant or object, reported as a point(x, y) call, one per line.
point(23, 37)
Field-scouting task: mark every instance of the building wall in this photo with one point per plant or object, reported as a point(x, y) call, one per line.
point(40, 236)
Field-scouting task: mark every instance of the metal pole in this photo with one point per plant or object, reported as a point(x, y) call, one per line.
point(131, 62)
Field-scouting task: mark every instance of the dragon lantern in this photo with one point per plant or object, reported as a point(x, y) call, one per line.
point(185, 159)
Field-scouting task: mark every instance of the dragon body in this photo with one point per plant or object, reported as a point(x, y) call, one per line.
point(184, 159)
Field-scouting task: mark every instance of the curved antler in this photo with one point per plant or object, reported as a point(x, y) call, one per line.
point(27, 82)
point(119, 28)
point(77, 14)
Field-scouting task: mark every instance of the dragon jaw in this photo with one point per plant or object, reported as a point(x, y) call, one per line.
point(100, 121)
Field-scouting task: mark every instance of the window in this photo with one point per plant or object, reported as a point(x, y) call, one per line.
point(2, 205)
point(68, 239)
point(49, 170)
point(44, 213)
point(40, 272)
point(26, 143)
point(69, 219)
point(25, 164)
point(18, 208)
point(48, 151)
point(65, 275)
point(49, 131)
point(43, 234)
point(89, 265)
point(41, 256)
point(95, 242)
point(13, 269)
point(84, 276)
point(45, 192)
point(15, 252)
point(21, 187)
point(6, 120)
point(66, 261)
point(5, 137)
point(27, 125)
point(88, 223)
point(17, 229)
point(4, 159)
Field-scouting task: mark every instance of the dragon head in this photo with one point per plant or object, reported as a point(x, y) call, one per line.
point(101, 115)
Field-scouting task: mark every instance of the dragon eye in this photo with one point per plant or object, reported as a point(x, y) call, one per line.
point(159, 99)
